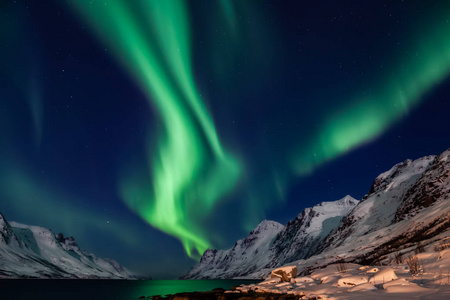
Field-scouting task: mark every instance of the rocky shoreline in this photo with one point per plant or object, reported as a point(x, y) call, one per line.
point(233, 294)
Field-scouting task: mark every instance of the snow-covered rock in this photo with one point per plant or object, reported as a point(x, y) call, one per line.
point(36, 252)
point(383, 276)
point(285, 273)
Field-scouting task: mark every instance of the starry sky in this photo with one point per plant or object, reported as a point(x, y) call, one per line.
point(154, 130)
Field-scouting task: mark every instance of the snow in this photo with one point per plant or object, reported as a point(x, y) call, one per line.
point(411, 288)
point(383, 276)
point(247, 255)
point(352, 280)
point(363, 287)
point(397, 282)
point(388, 282)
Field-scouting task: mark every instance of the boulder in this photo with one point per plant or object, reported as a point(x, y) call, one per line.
point(285, 273)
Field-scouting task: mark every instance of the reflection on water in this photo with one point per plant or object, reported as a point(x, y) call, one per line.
point(164, 287)
point(105, 289)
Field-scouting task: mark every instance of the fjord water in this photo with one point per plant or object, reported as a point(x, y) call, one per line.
point(105, 289)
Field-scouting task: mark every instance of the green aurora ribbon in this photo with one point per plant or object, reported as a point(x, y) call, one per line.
point(190, 170)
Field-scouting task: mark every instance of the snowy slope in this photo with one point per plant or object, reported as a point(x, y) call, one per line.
point(302, 236)
point(271, 244)
point(406, 205)
point(377, 209)
point(36, 252)
point(247, 255)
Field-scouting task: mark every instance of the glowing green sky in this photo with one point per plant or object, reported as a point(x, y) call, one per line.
point(408, 78)
point(189, 168)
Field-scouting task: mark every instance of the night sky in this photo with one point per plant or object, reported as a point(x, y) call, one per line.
point(153, 130)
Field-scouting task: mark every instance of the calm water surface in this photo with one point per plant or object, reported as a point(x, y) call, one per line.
point(105, 289)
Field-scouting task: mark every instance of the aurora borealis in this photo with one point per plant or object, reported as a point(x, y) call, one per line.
point(156, 50)
point(153, 130)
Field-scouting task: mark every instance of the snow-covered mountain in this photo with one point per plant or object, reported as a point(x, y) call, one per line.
point(271, 244)
point(247, 255)
point(378, 208)
point(36, 252)
point(405, 205)
point(302, 236)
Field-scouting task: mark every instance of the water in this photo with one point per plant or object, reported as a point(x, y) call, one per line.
point(105, 289)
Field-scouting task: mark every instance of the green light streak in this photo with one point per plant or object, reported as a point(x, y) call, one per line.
point(190, 169)
point(396, 94)
point(170, 22)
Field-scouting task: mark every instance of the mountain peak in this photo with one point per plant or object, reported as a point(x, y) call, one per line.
point(267, 225)
point(343, 202)
point(348, 200)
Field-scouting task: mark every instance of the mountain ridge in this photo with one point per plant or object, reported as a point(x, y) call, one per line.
point(406, 204)
point(235, 261)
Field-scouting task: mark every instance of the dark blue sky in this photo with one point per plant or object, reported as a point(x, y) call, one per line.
point(280, 80)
